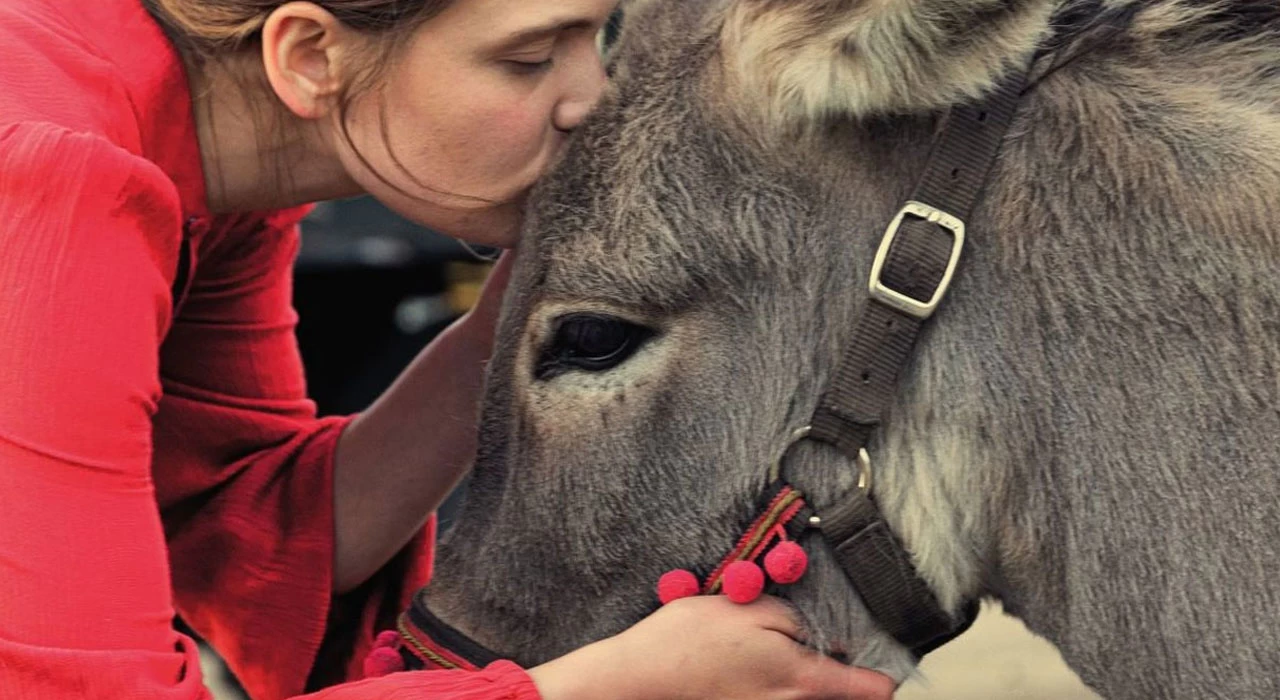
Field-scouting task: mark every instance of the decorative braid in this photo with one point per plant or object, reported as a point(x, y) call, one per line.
point(420, 646)
point(780, 510)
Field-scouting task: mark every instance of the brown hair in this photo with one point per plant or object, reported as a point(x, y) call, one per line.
point(209, 30)
point(204, 29)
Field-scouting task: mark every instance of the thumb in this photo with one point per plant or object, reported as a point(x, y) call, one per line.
point(828, 679)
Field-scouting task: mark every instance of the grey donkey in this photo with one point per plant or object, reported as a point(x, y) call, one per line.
point(1090, 428)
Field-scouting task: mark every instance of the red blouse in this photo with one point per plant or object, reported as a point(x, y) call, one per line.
point(159, 454)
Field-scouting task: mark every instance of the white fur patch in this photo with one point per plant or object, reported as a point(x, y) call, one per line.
point(807, 61)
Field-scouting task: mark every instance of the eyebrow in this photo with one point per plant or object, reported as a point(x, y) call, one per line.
point(542, 31)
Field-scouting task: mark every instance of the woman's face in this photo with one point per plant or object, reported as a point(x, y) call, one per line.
point(474, 110)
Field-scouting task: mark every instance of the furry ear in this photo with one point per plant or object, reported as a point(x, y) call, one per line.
point(809, 59)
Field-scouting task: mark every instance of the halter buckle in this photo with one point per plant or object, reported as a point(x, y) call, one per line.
point(898, 300)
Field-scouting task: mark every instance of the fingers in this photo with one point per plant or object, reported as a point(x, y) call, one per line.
point(769, 613)
point(831, 680)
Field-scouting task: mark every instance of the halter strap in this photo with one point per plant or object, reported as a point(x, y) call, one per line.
point(912, 271)
point(428, 642)
point(913, 268)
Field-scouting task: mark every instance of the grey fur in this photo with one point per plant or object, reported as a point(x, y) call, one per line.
point(1088, 432)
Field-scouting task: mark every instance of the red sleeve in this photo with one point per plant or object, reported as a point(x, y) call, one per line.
point(243, 466)
point(84, 596)
point(88, 249)
point(501, 680)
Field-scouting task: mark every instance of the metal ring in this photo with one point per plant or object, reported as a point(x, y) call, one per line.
point(775, 471)
point(864, 471)
point(864, 460)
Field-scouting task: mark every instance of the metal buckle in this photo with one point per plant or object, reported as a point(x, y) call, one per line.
point(898, 300)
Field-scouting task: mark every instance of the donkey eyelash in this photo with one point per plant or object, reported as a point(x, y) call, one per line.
point(590, 343)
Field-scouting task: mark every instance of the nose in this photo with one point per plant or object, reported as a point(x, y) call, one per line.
point(584, 87)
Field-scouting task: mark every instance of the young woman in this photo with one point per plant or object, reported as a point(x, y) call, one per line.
point(157, 450)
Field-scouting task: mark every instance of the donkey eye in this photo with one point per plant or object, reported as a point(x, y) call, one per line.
point(590, 342)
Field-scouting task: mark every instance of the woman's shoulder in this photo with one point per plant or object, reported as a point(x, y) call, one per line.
point(102, 69)
point(52, 73)
point(49, 172)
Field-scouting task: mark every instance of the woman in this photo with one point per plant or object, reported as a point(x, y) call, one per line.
point(157, 451)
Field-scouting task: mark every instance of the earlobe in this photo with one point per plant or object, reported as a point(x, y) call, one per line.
point(301, 44)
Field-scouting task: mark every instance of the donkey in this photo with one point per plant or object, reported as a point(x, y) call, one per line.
point(1089, 428)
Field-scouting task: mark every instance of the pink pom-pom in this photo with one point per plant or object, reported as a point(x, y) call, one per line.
point(743, 581)
point(677, 584)
point(382, 661)
point(786, 563)
point(387, 638)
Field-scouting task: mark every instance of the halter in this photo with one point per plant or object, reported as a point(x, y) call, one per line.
point(912, 270)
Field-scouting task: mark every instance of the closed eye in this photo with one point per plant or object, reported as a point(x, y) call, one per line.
point(529, 67)
point(590, 343)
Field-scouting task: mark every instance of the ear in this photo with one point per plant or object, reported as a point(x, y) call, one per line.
point(302, 44)
point(809, 59)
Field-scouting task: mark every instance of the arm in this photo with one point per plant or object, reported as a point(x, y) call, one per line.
point(399, 460)
point(84, 598)
point(251, 482)
point(88, 246)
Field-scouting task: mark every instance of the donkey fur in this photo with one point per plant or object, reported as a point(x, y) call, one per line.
point(1090, 427)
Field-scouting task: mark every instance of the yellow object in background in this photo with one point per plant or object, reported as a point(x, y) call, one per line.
point(465, 280)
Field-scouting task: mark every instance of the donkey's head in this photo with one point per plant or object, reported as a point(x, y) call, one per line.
point(688, 278)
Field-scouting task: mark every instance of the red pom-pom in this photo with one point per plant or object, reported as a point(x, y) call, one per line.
point(382, 661)
point(677, 584)
point(387, 638)
point(743, 581)
point(786, 563)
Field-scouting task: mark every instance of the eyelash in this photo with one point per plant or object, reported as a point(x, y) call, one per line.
point(530, 67)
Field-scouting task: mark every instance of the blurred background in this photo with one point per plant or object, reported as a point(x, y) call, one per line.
point(372, 289)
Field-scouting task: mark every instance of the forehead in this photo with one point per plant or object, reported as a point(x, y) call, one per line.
point(497, 25)
point(657, 202)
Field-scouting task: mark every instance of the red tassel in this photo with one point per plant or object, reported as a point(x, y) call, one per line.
point(381, 661)
point(743, 582)
point(387, 638)
point(677, 584)
point(786, 563)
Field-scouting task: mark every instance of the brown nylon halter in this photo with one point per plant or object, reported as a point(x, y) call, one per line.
point(916, 260)
point(913, 267)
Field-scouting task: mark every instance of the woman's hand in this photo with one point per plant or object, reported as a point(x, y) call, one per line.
point(708, 647)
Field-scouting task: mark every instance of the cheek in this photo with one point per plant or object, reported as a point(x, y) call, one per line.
point(513, 130)
point(494, 147)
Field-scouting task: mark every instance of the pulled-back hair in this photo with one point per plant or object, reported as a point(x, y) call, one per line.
point(206, 31)
point(211, 28)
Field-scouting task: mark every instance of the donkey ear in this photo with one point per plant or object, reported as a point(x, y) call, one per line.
point(810, 59)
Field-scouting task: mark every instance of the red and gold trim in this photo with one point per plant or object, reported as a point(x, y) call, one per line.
point(427, 642)
point(431, 653)
point(769, 528)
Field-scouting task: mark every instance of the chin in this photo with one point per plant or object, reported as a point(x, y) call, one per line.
point(497, 227)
